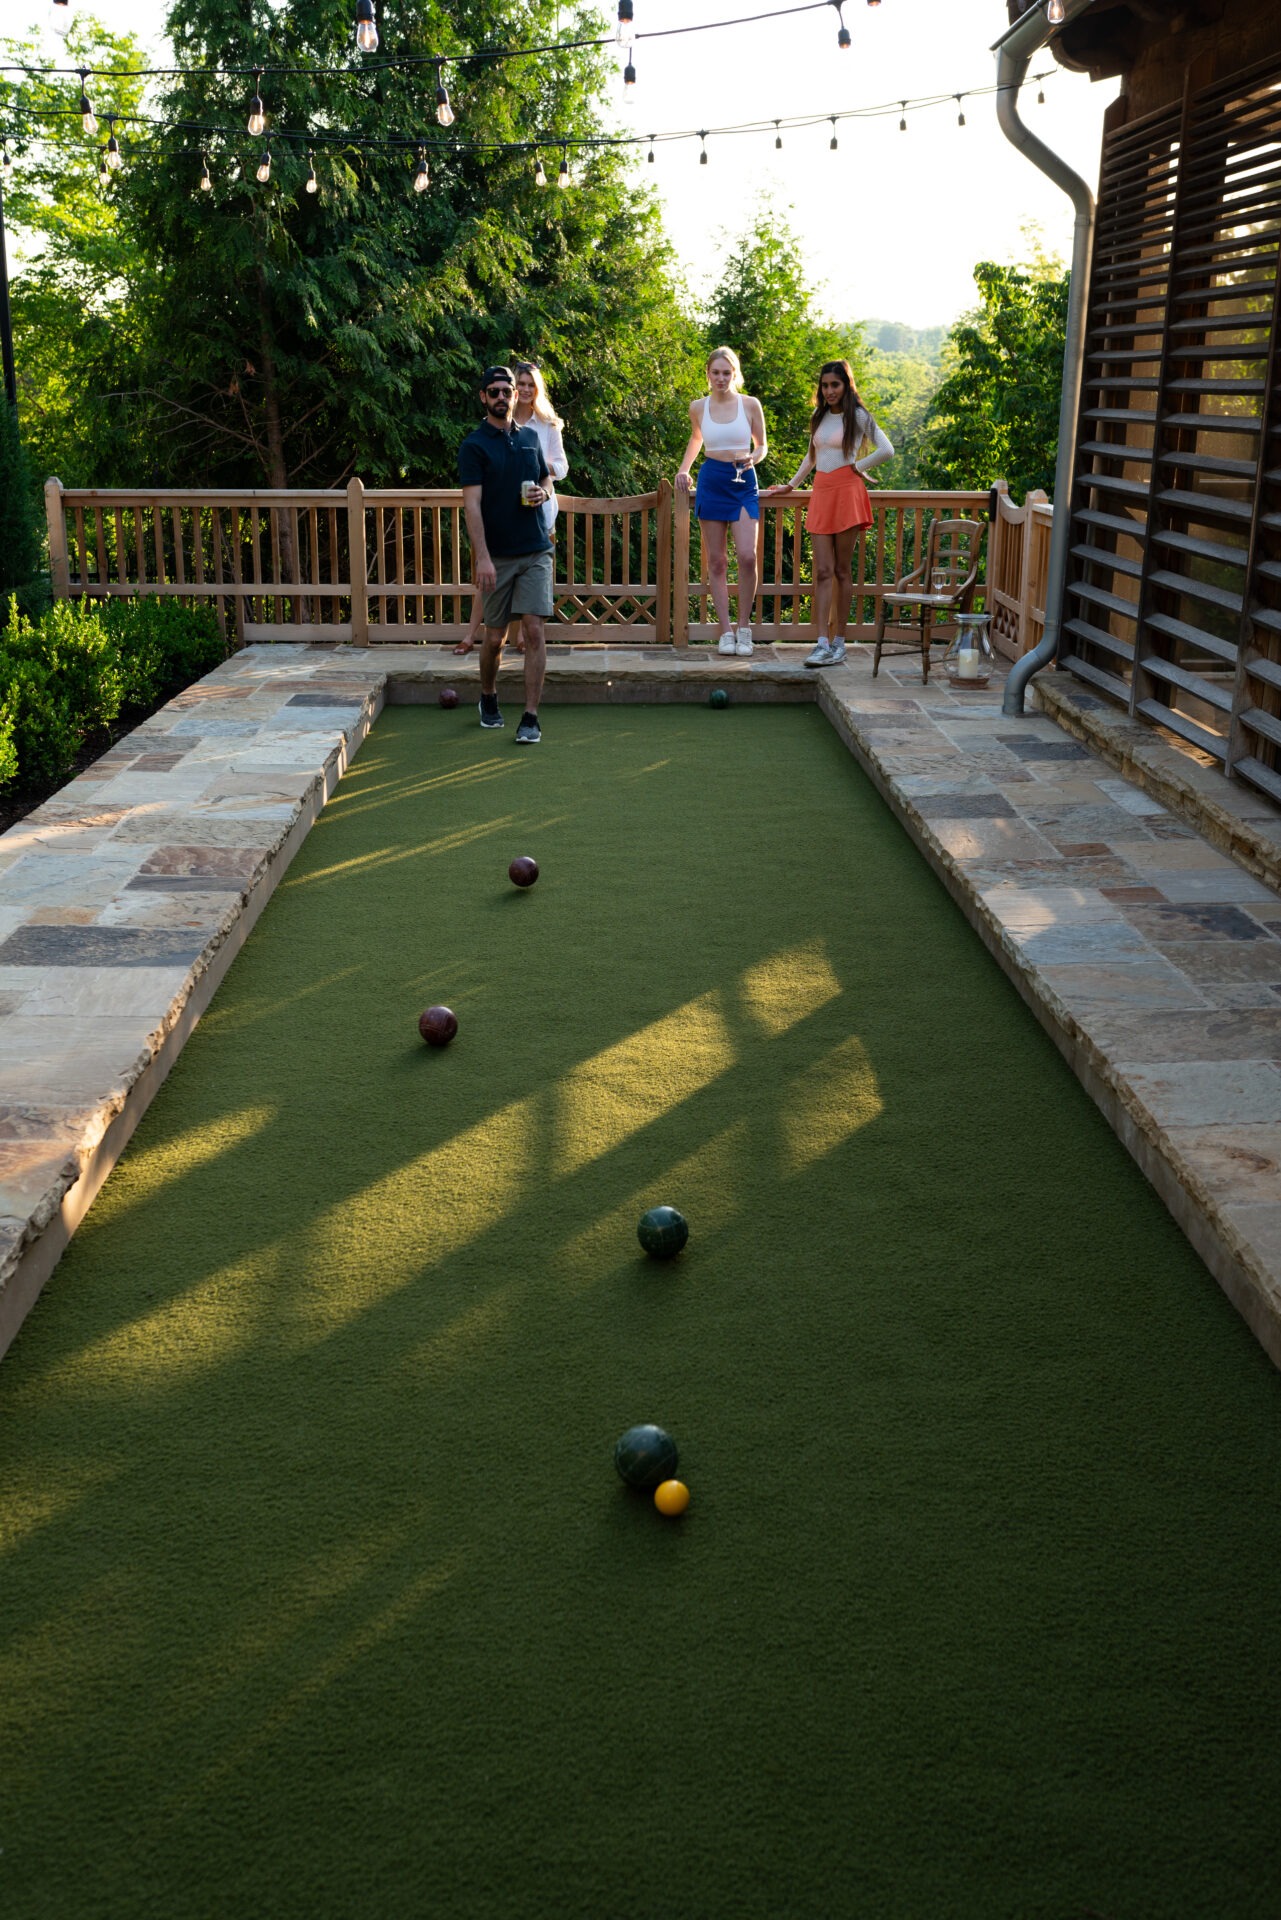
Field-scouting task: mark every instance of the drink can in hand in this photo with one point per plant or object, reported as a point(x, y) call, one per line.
point(528, 488)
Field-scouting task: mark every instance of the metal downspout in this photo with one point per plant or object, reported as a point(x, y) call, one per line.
point(1013, 56)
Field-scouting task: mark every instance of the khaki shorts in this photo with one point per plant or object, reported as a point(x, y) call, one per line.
point(524, 586)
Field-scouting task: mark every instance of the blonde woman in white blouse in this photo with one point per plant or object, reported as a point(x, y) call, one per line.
point(845, 443)
point(533, 409)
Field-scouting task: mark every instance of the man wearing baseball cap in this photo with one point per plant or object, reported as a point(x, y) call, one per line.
point(502, 469)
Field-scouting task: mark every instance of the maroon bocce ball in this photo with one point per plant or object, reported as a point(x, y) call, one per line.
point(523, 871)
point(438, 1026)
point(448, 696)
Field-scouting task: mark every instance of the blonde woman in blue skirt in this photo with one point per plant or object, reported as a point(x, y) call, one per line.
point(729, 426)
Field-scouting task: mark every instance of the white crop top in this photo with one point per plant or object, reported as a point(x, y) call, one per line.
point(829, 453)
point(726, 436)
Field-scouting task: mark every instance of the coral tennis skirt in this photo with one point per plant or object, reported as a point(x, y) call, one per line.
point(839, 502)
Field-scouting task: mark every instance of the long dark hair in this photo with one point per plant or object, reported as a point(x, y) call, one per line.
point(858, 422)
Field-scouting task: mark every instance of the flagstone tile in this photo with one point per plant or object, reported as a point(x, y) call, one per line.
point(1032, 907)
point(77, 1063)
point(1132, 799)
point(1194, 921)
point(990, 839)
point(1184, 886)
point(66, 879)
point(86, 993)
point(1214, 1033)
point(1205, 1093)
point(204, 830)
point(97, 946)
point(1148, 983)
point(1165, 856)
point(1214, 964)
point(1240, 1162)
point(1089, 942)
point(965, 806)
point(1033, 748)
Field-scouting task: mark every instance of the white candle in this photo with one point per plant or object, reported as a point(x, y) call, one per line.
point(967, 663)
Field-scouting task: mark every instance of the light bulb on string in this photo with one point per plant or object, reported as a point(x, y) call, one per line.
point(103, 175)
point(562, 175)
point(1040, 97)
point(113, 145)
point(778, 139)
point(702, 158)
point(832, 143)
point(650, 155)
point(444, 112)
point(629, 88)
point(960, 116)
point(311, 184)
point(262, 173)
point(88, 118)
point(843, 37)
point(422, 178)
point(1054, 13)
point(206, 183)
point(626, 23)
point(60, 17)
point(540, 171)
point(366, 27)
point(257, 118)
point(6, 164)
point(902, 125)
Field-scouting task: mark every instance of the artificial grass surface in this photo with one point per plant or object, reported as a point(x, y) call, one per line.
point(320, 1594)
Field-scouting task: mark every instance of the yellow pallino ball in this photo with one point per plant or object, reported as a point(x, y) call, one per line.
point(671, 1498)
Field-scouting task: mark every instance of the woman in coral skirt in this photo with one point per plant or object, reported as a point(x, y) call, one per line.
point(845, 443)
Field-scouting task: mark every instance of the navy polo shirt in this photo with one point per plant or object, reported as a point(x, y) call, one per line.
point(497, 461)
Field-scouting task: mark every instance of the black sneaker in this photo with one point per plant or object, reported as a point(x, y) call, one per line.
point(528, 733)
point(489, 713)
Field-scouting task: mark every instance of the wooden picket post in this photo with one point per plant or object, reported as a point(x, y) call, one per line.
point(357, 565)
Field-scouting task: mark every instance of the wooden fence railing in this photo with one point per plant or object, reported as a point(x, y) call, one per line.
point(1018, 564)
point(395, 565)
point(892, 546)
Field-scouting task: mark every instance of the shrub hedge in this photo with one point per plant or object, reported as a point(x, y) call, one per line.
point(69, 677)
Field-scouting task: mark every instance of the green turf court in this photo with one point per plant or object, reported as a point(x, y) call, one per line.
point(321, 1597)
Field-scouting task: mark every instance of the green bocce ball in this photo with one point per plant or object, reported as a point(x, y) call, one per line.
point(662, 1232)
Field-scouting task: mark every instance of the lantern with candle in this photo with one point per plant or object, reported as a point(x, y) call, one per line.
point(969, 660)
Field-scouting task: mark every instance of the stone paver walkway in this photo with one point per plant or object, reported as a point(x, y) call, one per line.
point(1152, 958)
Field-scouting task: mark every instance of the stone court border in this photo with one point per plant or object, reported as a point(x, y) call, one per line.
point(1150, 956)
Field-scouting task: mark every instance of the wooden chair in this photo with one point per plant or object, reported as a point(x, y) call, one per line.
point(953, 550)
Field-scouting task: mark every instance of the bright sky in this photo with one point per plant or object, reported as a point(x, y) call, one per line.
point(892, 223)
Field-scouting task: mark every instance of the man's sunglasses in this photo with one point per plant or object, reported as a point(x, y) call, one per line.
point(495, 393)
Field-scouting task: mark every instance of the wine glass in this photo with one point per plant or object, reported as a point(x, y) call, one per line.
point(740, 471)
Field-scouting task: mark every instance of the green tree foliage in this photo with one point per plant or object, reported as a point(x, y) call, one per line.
point(766, 309)
point(261, 334)
point(996, 414)
point(19, 527)
point(73, 268)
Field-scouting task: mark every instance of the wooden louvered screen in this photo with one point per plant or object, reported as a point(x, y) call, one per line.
point(1129, 296)
point(1174, 582)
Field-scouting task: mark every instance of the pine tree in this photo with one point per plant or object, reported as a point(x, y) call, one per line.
point(292, 337)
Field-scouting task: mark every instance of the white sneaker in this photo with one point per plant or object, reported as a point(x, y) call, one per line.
point(835, 654)
point(822, 654)
point(727, 643)
point(743, 645)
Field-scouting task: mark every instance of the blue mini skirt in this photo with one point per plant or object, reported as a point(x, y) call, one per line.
point(720, 497)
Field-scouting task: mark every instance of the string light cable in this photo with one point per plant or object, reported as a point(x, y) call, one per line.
point(395, 62)
point(398, 142)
